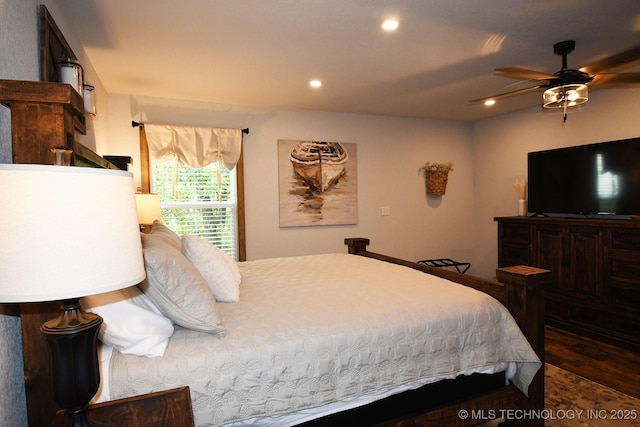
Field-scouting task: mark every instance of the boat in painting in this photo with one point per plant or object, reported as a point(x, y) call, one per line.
point(319, 163)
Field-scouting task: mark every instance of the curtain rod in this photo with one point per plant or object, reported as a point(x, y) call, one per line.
point(136, 124)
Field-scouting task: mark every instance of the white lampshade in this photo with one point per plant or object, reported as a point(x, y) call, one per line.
point(148, 206)
point(66, 232)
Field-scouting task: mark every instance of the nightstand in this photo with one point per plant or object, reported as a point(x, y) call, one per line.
point(168, 408)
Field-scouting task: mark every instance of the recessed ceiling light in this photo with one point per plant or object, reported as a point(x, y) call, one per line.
point(315, 83)
point(489, 102)
point(390, 25)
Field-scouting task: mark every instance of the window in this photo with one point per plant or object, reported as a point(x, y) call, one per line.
point(193, 202)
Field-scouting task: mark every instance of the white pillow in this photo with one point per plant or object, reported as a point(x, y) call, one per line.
point(216, 266)
point(164, 233)
point(132, 323)
point(177, 288)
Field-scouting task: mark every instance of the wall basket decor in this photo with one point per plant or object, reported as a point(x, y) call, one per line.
point(436, 176)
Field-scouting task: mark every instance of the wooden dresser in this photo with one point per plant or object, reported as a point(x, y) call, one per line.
point(595, 265)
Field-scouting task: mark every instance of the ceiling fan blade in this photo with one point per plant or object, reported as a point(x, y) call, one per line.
point(613, 61)
point(522, 74)
point(508, 94)
point(615, 79)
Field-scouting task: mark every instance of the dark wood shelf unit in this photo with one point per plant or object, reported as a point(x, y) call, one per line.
point(53, 47)
point(43, 115)
point(595, 266)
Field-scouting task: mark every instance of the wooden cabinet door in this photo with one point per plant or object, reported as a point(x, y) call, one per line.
point(548, 252)
point(585, 247)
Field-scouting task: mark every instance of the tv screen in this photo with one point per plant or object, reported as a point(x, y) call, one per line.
point(594, 179)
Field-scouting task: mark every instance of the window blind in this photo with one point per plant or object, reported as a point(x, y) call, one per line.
point(198, 201)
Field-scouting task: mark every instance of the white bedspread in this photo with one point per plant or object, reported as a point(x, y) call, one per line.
point(312, 330)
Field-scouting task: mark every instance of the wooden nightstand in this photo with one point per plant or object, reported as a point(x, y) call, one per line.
point(168, 408)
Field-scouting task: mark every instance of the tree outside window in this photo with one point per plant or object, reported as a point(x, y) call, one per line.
point(199, 201)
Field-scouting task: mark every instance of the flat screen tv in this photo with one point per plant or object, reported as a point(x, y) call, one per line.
point(587, 180)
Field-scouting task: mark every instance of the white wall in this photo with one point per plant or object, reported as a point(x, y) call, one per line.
point(500, 148)
point(390, 152)
point(488, 155)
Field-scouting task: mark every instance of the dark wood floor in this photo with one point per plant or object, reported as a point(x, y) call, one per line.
point(600, 362)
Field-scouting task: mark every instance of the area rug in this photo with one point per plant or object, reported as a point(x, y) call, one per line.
point(572, 400)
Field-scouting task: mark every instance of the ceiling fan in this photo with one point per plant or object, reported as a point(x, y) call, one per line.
point(568, 87)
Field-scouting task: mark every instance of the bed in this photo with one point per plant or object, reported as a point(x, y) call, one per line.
point(370, 345)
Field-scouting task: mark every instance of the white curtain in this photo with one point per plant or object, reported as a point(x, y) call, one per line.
point(193, 146)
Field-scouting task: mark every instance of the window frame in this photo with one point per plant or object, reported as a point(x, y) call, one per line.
point(145, 180)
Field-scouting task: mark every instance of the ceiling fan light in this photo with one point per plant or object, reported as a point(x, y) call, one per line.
point(563, 96)
point(572, 95)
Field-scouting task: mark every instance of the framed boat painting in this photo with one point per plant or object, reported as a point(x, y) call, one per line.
point(318, 183)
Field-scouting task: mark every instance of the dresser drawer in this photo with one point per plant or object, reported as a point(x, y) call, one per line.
point(515, 232)
point(626, 240)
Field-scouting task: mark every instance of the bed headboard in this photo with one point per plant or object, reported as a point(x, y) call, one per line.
point(41, 408)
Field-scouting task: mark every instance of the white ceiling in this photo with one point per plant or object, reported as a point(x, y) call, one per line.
point(265, 52)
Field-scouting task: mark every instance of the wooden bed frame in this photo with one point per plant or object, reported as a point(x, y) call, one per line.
point(521, 290)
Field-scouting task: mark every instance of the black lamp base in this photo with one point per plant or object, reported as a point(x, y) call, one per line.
point(75, 374)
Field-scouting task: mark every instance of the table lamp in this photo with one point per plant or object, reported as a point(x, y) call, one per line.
point(68, 232)
point(148, 208)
